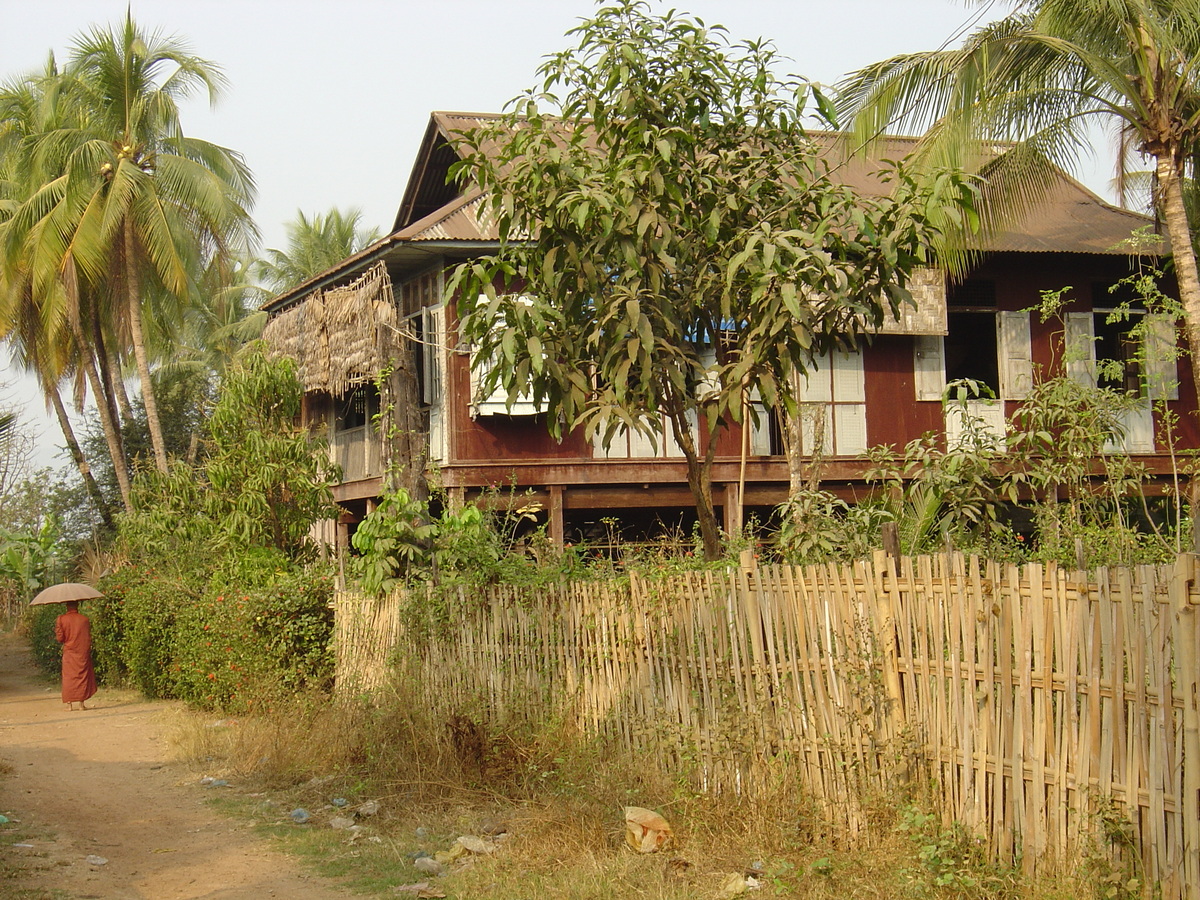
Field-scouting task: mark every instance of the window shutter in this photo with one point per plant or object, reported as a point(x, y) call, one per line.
point(929, 367)
point(849, 385)
point(1016, 355)
point(988, 419)
point(1080, 348)
point(850, 429)
point(1137, 423)
point(816, 383)
point(1162, 358)
point(760, 430)
point(433, 330)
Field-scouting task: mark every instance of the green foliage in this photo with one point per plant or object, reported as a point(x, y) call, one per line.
point(220, 602)
point(482, 542)
point(30, 559)
point(267, 481)
point(937, 491)
point(950, 861)
point(263, 481)
point(257, 631)
point(47, 652)
point(730, 258)
point(392, 541)
point(817, 526)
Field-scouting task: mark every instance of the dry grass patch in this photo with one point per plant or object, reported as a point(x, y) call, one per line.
point(560, 801)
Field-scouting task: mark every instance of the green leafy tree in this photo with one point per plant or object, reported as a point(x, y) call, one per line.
point(42, 322)
point(219, 596)
point(671, 240)
point(129, 202)
point(263, 481)
point(1041, 77)
point(314, 245)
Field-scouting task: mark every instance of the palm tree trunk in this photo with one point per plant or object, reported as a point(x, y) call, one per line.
point(118, 385)
point(1182, 252)
point(108, 423)
point(81, 463)
point(110, 374)
point(133, 297)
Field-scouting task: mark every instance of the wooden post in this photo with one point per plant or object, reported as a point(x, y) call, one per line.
point(732, 507)
point(887, 568)
point(1187, 668)
point(891, 539)
point(557, 528)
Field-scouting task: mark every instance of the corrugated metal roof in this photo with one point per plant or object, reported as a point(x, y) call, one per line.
point(1070, 219)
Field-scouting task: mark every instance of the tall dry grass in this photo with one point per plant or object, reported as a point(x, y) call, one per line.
point(560, 798)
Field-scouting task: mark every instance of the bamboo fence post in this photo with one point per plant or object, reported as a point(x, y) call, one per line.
point(1187, 649)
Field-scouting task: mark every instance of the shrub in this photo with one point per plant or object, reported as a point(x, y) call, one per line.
point(47, 654)
point(260, 627)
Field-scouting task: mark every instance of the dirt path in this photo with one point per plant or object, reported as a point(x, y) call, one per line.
point(98, 783)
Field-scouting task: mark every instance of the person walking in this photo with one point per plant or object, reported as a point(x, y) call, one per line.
point(74, 631)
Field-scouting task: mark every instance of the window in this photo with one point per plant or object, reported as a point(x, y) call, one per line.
point(833, 407)
point(496, 403)
point(983, 344)
point(629, 444)
point(1132, 353)
point(356, 408)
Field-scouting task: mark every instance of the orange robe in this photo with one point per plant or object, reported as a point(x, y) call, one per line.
point(74, 631)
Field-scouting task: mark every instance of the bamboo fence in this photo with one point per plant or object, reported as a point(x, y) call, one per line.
point(1037, 700)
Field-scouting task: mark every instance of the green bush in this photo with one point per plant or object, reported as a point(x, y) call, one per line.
point(47, 652)
point(220, 600)
point(260, 623)
point(259, 629)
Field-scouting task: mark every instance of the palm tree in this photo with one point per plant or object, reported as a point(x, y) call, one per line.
point(314, 245)
point(139, 204)
point(37, 320)
point(1040, 78)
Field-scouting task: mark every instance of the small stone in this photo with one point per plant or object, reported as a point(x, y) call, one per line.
point(427, 866)
point(341, 822)
point(94, 860)
point(339, 802)
point(299, 815)
point(475, 844)
point(368, 809)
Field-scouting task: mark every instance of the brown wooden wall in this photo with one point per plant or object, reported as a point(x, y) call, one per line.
point(894, 416)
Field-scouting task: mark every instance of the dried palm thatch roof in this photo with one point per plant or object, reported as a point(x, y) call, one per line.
point(341, 336)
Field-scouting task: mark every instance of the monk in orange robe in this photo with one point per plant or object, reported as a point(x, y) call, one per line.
point(74, 631)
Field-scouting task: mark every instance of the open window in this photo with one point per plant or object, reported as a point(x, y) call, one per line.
point(983, 344)
point(1128, 351)
point(495, 402)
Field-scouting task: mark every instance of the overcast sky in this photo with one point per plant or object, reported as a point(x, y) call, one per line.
point(328, 100)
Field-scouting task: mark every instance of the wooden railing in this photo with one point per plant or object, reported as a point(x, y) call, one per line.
point(357, 451)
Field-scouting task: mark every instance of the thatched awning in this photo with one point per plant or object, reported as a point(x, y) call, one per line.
point(339, 337)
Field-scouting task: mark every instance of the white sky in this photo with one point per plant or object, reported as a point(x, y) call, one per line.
point(328, 101)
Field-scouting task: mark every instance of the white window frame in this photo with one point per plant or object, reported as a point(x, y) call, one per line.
point(833, 393)
point(1014, 364)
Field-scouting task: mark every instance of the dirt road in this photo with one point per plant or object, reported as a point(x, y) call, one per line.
point(98, 784)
